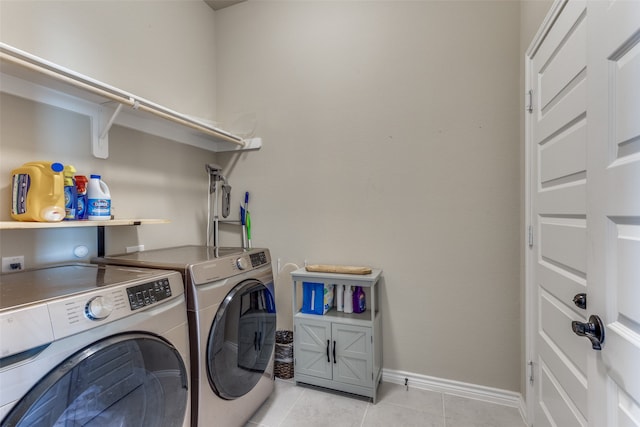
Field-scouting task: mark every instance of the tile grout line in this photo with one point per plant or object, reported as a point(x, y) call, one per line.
point(444, 411)
point(402, 406)
point(405, 407)
point(364, 416)
point(291, 407)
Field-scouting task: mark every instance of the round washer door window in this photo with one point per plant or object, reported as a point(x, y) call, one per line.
point(241, 340)
point(125, 380)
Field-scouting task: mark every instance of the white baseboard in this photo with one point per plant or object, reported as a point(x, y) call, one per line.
point(457, 388)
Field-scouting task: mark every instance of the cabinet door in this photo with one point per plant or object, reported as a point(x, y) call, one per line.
point(311, 347)
point(353, 362)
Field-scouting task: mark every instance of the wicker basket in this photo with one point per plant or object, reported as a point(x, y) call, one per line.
point(283, 364)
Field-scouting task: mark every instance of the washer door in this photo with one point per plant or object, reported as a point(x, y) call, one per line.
point(124, 380)
point(241, 340)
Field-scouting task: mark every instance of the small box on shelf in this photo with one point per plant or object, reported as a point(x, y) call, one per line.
point(317, 298)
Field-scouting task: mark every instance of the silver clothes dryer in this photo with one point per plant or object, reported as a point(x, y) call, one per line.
point(232, 322)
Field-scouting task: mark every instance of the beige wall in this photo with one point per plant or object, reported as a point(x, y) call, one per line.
point(391, 139)
point(162, 51)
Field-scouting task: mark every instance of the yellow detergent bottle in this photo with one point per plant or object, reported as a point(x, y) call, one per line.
point(38, 192)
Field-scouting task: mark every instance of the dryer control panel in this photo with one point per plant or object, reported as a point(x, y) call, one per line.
point(229, 265)
point(258, 259)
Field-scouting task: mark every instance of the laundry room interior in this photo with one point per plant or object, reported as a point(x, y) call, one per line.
point(391, 135)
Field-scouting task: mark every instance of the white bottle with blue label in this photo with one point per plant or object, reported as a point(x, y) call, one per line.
point(98, 200)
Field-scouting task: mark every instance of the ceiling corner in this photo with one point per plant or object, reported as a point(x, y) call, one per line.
point(221, 4)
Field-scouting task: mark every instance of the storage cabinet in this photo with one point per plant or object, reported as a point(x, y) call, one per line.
point(337, 350)
point(334, 351)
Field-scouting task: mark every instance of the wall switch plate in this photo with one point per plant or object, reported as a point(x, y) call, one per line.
point(11, 264)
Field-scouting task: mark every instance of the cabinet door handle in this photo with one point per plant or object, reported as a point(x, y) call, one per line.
point(334, 352)
point(328, 357)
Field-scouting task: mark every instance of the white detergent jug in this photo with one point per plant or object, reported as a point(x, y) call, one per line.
point(348, 299)
point(98, 200)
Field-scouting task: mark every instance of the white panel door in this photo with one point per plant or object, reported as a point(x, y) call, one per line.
point(584, 163)
point(558, 181)
point(613, 210)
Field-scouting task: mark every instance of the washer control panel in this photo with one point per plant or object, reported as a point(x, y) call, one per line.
point(99, 307)
point(148, 293)
point(78, 313)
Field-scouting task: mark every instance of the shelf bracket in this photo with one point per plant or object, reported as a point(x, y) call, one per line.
point(99, 133)
point(100, 138)
point(100, 240)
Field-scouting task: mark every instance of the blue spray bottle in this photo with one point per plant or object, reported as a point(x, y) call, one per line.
point(70, 194)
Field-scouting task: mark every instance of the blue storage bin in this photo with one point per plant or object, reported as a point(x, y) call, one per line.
point(317, 298)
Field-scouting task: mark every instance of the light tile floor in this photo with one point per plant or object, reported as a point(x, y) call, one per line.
point(294, 406)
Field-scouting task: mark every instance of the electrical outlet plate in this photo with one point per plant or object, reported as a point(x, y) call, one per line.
point(138, 248)
point(11, 264)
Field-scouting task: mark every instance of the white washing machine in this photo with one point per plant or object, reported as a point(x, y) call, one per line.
point(93, 345)
point(232, 322)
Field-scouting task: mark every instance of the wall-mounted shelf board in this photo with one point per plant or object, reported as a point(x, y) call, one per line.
point(28, 76)
point(24, 225)
point(100, 225)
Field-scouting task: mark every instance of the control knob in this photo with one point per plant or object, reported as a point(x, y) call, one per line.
point(98, 308)
point(242, 264)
